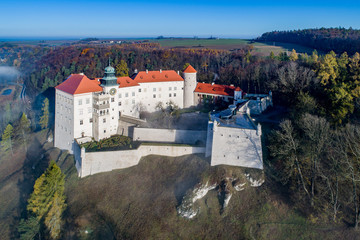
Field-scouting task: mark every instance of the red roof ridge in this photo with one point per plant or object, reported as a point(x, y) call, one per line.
point(189, 69)
point(78, 84)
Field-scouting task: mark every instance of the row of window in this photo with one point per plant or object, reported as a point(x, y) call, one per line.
point(81, 111)
point(80, 101)
point(170, 95)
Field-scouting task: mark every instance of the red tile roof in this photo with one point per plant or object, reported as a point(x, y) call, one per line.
point(126, 82)
point(157, 76)
point(189, 69)
point(216, 89)
point(79, 83)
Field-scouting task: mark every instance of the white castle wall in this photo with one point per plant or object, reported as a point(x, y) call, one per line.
point(64, 121)
point(96, 162)
point(169, 135)
point(236, 147)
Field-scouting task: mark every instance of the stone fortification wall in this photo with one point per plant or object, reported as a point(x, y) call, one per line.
point(97, 162)
point(169, 135)
point(236, 147)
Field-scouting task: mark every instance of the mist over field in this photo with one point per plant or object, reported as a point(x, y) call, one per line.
point(8, 75)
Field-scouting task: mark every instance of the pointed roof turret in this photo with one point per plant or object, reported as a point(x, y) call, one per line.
point(189, 69)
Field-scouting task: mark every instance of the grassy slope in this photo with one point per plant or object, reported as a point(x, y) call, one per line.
point(140, 202)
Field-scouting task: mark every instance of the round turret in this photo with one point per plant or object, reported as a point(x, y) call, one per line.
point(190, 83)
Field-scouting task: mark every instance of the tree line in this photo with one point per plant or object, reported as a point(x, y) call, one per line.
point(338, 40)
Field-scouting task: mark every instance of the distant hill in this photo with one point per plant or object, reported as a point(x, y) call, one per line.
point(324, 39)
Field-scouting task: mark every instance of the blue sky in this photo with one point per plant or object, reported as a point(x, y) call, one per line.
point(201, 18)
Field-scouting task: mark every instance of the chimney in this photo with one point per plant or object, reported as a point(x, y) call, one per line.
point(135, 71)
point(81, 73)
point(147, 71)
point(160, 71)
point(231, 85)
point(178, 72)
point(212, 83)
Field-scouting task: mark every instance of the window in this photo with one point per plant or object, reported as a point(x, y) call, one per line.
point(81, 122)
point(104, 131)
point(133, 94)
point(154, 89)
point(112, 99)
point(169, 94)
point(126, 94)
point(87, 100)
point(90, 120)
point(139, 89)
point(174, 94)
point(154, 96)
point(120, 95)
point(175, 88)
point(133, 101)
point(81, 112)
point(104, 120)
point(170, 88)
point(119, 103)
point(80, 101)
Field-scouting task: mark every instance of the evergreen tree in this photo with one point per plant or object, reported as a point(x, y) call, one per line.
point(47, 202)
point(6, 142)
point(24, 123)
point(314, 56)
point(24, 128)
point(53, 219)
point(122, 69)
point(44, 119)
point(272, 55)
point(328, 70)
point(29, 229)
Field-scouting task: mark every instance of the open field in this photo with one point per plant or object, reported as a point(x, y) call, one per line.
point(261, 49)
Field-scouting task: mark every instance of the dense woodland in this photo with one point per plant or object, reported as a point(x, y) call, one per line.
point(338, 40)
point(314, 154)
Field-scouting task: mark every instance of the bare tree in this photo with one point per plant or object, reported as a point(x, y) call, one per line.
point(287, 148)
point(317, 133)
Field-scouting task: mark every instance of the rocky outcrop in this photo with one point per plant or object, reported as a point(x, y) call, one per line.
point(226, 188)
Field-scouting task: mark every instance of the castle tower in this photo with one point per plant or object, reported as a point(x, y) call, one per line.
point(105, 106)
point(189, 75)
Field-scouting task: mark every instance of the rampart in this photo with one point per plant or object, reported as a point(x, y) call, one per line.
point(95, 162)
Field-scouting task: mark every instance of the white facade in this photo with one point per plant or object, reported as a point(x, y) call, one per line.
point(64, 120)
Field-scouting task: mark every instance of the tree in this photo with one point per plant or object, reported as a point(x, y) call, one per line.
point(122, 69)
point(328, 69)
point(6, 142)
point(272, 55)
point(24, 123)
point(24, 127)
point(293, 55)
point(47, 202)
point(44, 119)
point(53, 220)
point(286, 148)
point(29, 229)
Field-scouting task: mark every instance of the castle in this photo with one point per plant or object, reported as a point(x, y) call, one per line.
point(87, 109)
